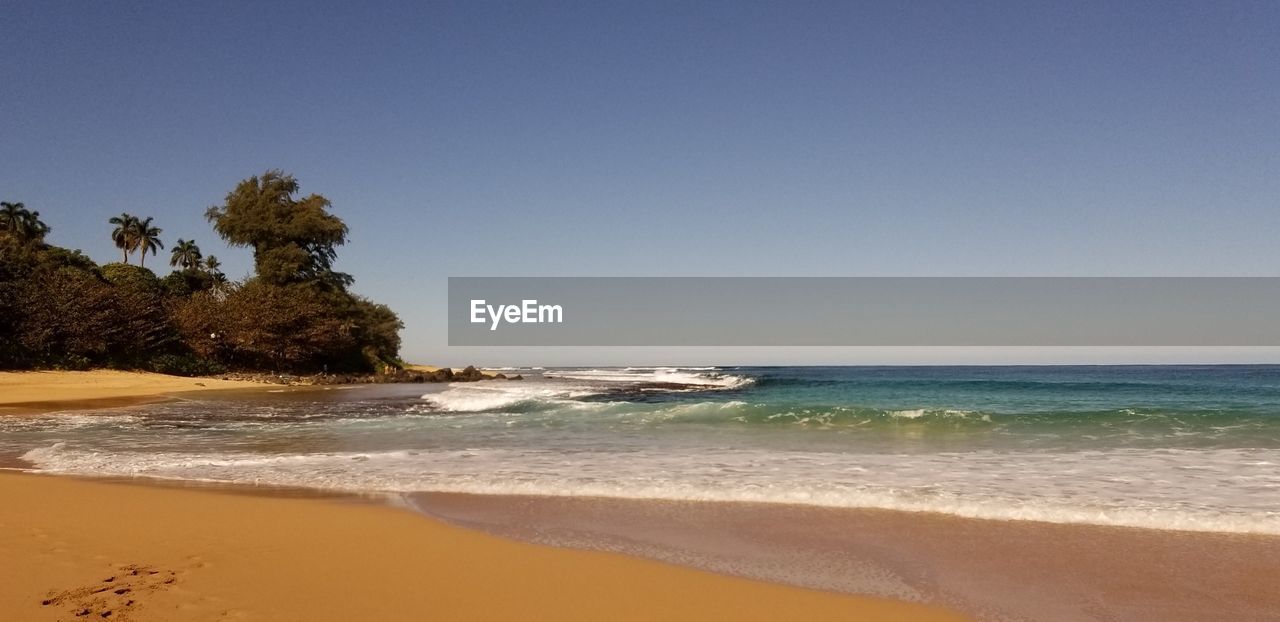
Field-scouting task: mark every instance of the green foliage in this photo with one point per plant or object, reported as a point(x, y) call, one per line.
point(183, 283)
point(66, 312)
point(60, 309)
point(211, 268)
point(259, 325)
point(378, 327)
point(294, 240)
point(130, 276)
point(58, 256)
point(186, 255)
point(125, 233)
point(10, 353)
point(132, 234)
point(184, 365)
point(147, 238)
point(21, 224)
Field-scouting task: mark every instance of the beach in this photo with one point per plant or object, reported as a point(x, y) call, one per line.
point(676, 312)
point(79, 549)
point(29, 391)
point(989, 569)
point(996, 493)
point(150, 553)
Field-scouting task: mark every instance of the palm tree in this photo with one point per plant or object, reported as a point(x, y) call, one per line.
point(13, 217)
point(36, 226)
point(185, 254)
point(21, 223)
point(211, 267)
point(123, 234)
point(148, 239)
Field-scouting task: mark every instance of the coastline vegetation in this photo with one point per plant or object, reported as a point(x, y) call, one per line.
point(59, 309)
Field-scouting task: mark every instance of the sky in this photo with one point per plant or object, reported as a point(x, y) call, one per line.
point(669, 139)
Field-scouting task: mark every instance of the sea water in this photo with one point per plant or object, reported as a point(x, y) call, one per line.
point(1165, 447)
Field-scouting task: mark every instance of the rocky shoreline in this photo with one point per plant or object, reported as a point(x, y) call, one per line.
point(444, 374)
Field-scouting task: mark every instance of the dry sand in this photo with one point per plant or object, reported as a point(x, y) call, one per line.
point(43, 390)
point(156, 553)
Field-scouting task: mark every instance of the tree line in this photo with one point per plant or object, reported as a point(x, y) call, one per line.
point(59, 309)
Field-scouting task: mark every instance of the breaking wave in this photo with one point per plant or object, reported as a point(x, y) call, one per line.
point(969, 484)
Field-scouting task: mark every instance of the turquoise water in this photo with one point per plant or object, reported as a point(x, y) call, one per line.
point(1167, 447)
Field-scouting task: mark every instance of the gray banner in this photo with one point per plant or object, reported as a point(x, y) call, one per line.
point(864, 311)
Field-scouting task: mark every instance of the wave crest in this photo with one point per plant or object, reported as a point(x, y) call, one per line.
point(694, 377)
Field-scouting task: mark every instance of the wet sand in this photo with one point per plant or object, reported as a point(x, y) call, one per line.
point(76, 550)
point(993, 570)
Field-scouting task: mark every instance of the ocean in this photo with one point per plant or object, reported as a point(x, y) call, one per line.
point(1164, 447)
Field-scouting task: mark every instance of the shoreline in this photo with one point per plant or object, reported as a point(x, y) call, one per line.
point(983, 568)
point(181, 553)
point(986, 568)
point(42, 391)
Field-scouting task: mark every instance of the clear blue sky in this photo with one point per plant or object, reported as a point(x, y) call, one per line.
point(682, 138)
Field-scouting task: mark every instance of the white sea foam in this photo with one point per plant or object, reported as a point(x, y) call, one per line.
point(563, 387)
point(907, 414)
point(917, 413)
point(63, 421)
point(481, 397)
point(1222, 493)
point(693, 377)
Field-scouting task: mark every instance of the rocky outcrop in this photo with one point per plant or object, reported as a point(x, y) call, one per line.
point(469, 374)
point(444, 374)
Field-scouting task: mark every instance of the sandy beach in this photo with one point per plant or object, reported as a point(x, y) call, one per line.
point(992, 570)
point(79, 549)
point(265, 543)
point(75, 549)
point(44, 390)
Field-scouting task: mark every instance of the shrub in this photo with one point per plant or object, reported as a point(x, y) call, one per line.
point(184, 365)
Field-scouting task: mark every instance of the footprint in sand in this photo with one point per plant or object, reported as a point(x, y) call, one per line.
point(115, 597)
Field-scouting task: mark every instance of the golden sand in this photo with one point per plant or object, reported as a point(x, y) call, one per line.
point(156, 553)
point(38, 390)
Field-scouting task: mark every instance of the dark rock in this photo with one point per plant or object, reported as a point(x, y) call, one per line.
point(469, 374)
point(444, 374)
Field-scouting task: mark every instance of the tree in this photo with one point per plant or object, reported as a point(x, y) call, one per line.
point(379, 332)
point(13, 217)
point(36, 226)
point(263, 326)
point(140, 324)
point(68, 316)
point(148, 239)
point(185, 254)
point(20, 223)
point(125, 233)
point(294, 240)
point(212, 268)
